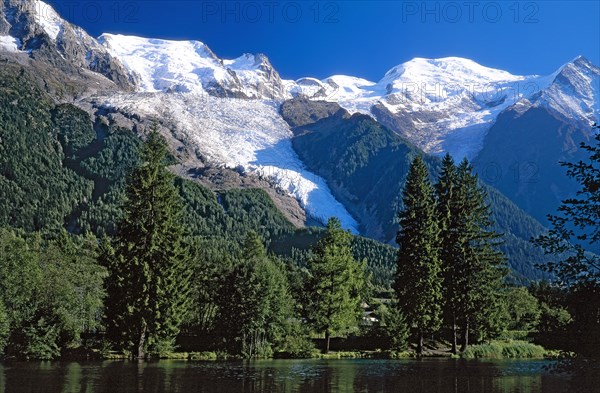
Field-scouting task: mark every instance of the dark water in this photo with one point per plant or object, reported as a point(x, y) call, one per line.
point(427, 376)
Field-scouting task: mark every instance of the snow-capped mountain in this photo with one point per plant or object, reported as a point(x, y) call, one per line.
point(191, 67)
point(522, 149)
point(574, 92)
point(447, 105)
point(440, 105)
point(450, 102)
point(229, 109)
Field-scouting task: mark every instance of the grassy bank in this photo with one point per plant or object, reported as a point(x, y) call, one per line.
point(510, 349)
point(199, 356)
point(214, 356)
point(500, 349)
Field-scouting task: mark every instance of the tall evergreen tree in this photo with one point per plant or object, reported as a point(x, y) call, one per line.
point(337, 283)
point(418, 283)
point(476, 267)
point(148, 260)
point(448, 213)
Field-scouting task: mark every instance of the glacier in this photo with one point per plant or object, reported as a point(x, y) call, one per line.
point(241, 133)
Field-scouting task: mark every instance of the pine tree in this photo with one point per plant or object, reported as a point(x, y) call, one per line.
point(418, 276)
point(337, 283)
point(148, 260)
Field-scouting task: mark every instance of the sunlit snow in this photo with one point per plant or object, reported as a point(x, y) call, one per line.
point(9, 44)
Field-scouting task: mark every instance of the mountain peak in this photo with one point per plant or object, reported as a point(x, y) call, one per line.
point(448, 69)
point(574, 91)
point(580, 62)
point(33, 28)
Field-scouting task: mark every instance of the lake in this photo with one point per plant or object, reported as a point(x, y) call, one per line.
point(360, 375)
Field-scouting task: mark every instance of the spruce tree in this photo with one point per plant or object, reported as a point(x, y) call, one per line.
point(418, 277)
point(337, 283)
point(148, 260)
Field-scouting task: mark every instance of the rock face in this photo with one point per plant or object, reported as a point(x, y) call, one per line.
point(42, 34)
point(300, 112)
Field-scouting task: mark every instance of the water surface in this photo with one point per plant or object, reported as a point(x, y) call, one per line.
point(360, 375)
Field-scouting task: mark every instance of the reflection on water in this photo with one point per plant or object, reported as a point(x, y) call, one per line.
point(427, 376)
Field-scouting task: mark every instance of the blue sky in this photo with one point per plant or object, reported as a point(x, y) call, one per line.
point(322, 38)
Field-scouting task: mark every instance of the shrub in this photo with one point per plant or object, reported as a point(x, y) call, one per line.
point(203, 356)
point(297, 343)
point(504, 350)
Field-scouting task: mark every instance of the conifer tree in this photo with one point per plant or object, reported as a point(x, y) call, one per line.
point(337, 283)
point(418, 277)
point(148, 260)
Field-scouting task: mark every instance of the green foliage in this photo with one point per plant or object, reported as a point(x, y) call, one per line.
point(381, 258)
point(52, 290)
point(118, 155)
point(253, 303)
point(297, 343)
point(523, 309)
point(577, 225)
point(231, 214)
point(395, 329)
point(74, 178)
point(38, 339)
point(472, 266)
point(368, 163)
point(505, 350)
point(517, 229)
point(203, 356)
point(336, 285)
point(553, 320)
point(100, 158)
point(418, 285)
point(575, 230)
point(73, 128)
point(148, 260)
point(4, 326)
